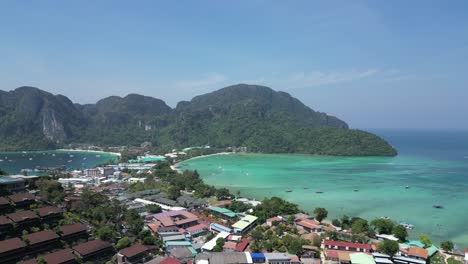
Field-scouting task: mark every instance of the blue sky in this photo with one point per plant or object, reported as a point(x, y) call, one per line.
point(375, 64)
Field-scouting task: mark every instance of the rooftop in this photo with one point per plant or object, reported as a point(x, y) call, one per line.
point(245, 222)
point(361, 258)
point(133, 250)
point(21, 197)
point(22, 215)
point(8, 179)
point(91, 247)
point(197, 227)
point(418, 251)
point(11, 244)
point(347, 244)
point(4, 201)
point(169, 260)
point(182, 253)
point(241, 246)
point(72, 229)
point(223, 211)
point(4, 220)
point(48, 210)
point(42, 236)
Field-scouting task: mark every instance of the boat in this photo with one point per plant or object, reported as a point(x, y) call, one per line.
point(384, 217)
point(305, 188)
point(438, 206)
point(1, 160)
point(407, 187)
point(98, 156)
point(288, 190)
point(30, 158)
point(318, 191)
point(356, 190)
point(407, 226)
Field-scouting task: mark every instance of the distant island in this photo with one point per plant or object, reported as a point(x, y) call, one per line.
point(250, 116)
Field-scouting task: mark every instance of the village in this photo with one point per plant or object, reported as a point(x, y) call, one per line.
point(144, 211)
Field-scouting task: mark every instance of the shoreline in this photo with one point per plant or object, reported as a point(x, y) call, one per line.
point(174, 167)
point(90, 151)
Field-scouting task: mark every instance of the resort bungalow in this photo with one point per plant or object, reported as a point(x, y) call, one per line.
point(245, 224)
point(5, 223)
point(309, 225)
point(5, 206)
point(222, 213)
point(73, 231)
point(40, 241)
point(49, 213)
point(11, 184)
point(132, 254)
point(22, 199)
point(347, 246)
point(64, 256)
point(92, 249)
point(11, 250)
point(23, 218)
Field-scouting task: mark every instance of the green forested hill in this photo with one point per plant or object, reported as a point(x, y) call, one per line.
point(256, 117)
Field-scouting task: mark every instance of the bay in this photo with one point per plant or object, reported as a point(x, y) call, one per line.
point(433, 164)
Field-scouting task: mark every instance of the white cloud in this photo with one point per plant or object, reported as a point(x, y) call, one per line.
point(206, 82)
point(319, 78)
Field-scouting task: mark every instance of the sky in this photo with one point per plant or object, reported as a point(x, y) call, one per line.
point(374, 64)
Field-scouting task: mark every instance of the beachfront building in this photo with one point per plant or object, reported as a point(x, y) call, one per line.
point(222, 213)
point(347, 246)
point(309, 225)
point(245, 224)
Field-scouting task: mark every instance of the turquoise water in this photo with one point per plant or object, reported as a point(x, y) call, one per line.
point(434, 164)
point(14, 162)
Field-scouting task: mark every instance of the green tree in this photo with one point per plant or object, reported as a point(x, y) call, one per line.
point(222, 193)
point(388, 247)
point(173, 193)
point(447, 246)
point(149, 240)
point(133, 221)
point(153, 208)
point(106, 233)
point(123, 243)
point(400, 232)
point(383, 226)
point(295, 247)
point(452, 260)
point(40, 260)
point(425, 239)
point(336, 222)
point(360, 226)
point(320, 213)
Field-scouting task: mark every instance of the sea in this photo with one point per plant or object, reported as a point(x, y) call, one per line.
point(430, 170)
point(30, 161)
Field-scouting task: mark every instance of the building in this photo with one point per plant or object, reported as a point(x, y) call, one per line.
point(417, 253)
point(92, 249)
point(49, 213)
point(221, 212)
point(23, 218)
point(132, 254)
point(245, 224)
point(347, 246)
point(184, 254)
point(76, 182)
point(172, 220)
point(278, 258)
point(73, 231)
point(169, 260)
point(11, 184)
point(224, 258)
point(406, 260)
point(92, 173)
point(197, 230)
point(386, 237)
point(41, 241)
point(5, 223)
point(270, 221)
point(219, 228)
point(309, 225)
point(5, 206)
point(208, 246)
point(12, 249)
point(258, 257)
point(242, 245)
point(466, 255)
point(22, 199)
point(361, 258)
point(64, 256)
point(176, 244)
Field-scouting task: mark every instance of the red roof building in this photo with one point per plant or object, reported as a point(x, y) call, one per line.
point(92, 249)
point(197, 229)
point(309, 225)
point(41, 241)
point(73, 231)
point(132, 254)
point(64, 256)
point(22, 199)
point(170, 260)
point(49, 212)
point(270, 221)
point(11, 249)
point(24, 217)
point(242, 246)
